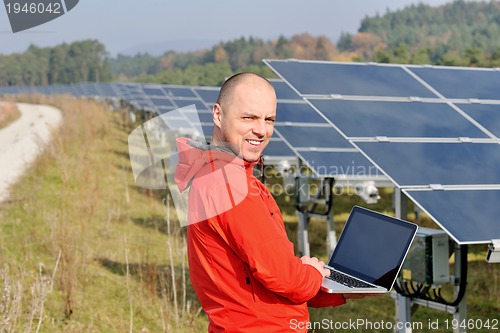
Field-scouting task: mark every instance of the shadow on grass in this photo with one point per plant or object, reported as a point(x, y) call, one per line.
point(123, 154)
point(159, 223)
point(157, 278)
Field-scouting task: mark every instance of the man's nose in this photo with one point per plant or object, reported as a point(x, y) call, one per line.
point(259, 128)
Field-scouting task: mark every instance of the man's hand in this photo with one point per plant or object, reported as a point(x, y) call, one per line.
point(314, 262)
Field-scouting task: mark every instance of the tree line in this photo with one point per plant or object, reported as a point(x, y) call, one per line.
point(211, 66)
point(460, 33)
point(81, 61)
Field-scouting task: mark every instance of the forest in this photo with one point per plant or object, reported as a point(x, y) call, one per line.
point(460, 33)
point(81, 61)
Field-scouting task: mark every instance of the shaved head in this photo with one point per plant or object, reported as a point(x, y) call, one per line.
point(228, 87)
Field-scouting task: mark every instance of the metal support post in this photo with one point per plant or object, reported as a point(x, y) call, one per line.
point(303, 196)
point(403, 304)
point(331, 235)
point(318, 204)
point(303, 235)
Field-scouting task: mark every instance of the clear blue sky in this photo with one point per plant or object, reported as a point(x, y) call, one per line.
point(125, 25)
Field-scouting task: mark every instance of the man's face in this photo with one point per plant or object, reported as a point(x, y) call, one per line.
point(247, 120)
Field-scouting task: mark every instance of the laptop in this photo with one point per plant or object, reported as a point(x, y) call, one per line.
point(369, 253)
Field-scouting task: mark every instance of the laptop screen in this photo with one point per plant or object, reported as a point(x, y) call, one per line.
point(372, 246)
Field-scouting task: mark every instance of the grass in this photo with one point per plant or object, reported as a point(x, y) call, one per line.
point(82, 249)
point(8, 114)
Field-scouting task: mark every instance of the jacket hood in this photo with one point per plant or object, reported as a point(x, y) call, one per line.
point(193, 155)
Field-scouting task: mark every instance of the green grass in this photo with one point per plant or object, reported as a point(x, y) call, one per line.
point(78, 213)
point(82, 249)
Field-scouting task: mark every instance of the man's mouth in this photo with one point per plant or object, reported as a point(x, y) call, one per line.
point(255, 143)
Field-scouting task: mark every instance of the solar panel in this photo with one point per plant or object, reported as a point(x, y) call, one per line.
point(426, 163)
point(278, 148)
point(288, 111)
point(291, 109)
point(487, 115)
point(162, 102)
point(185, 102)
point(469, 216)
point(201, 116)
point(209, 95)
point(318, 78)
point(432, 130)
point(340, 164)
point(312, 137)
point(174, 91)
point(106, 89)
point(293, 113)
point(456, 82)
point(397, 119)
point(283, 91)
point(153, 91)
point(178, 123)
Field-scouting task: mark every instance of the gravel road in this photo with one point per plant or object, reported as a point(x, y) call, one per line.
point(23, 140)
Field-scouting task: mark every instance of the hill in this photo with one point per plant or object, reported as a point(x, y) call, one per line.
point(469, 30)
point(460, 33)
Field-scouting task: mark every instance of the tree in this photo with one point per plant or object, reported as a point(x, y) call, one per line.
point(367, 44)
point(345, 42)
point(57, 64)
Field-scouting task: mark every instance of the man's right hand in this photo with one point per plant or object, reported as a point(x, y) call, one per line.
point(314, 262)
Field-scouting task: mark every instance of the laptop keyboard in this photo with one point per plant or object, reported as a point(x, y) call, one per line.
point(347, 280)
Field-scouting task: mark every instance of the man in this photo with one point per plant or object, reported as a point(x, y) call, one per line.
point(242, 265)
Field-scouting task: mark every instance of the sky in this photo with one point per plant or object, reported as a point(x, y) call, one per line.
point(126, 26)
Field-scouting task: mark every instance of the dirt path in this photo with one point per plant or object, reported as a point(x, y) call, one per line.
point(23, 140)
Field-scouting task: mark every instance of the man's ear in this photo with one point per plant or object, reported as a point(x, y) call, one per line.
point(217, 114)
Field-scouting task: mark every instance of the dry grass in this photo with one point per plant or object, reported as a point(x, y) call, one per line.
point(8, 113)
point(83, 249)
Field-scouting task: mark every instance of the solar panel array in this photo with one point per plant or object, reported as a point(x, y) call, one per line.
point(333, 156)
point(434, 131)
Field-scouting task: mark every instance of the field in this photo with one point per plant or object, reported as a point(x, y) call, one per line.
point(82, 249)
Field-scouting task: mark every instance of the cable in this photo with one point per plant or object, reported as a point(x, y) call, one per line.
point(424, 293)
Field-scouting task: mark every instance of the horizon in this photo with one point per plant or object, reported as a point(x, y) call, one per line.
point(131, 27)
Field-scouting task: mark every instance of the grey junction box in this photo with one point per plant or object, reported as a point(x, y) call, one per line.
point(427, 260)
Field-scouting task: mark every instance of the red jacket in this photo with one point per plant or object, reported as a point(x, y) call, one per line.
point(242, 265)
